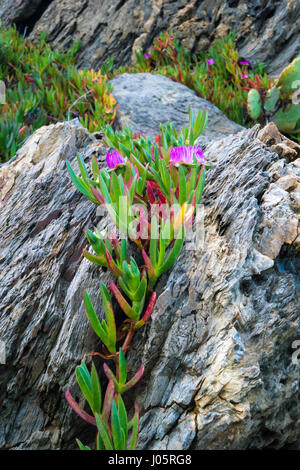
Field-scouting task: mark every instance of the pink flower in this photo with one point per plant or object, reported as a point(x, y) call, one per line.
point(210, 61)
point(114, 159)
point(146, 56)
point(186, 154)
point(245, 75)
point(245, 62)
point(172, 37)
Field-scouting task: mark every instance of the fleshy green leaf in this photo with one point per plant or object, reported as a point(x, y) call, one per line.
point(104, 433)
point(96, 391)
point(122, 368)
point(117, 432)
point(82, 446)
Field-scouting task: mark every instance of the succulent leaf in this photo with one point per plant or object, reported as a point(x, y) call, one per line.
point(288, 120)
point(272, 98)
point(288, 76)
point(254, 104)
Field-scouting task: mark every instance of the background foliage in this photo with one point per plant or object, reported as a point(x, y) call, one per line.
point(44, 86)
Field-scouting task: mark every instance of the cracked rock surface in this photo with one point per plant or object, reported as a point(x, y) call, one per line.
point(42, 276)
point(219, 350)
point(221, 371)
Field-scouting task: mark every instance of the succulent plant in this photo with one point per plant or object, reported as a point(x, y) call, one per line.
point(44, 86)
point(218, 74)
point(288, 119)
point(167, 176)
point(272, 97)
point(288, 76)
point(110, 418)
point(276, 103)
point(254, 104)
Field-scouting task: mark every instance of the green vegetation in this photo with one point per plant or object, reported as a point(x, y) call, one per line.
point(43, 87)
point(218, 74)
point(243, 91)
point(280, 102)
point(167, 188)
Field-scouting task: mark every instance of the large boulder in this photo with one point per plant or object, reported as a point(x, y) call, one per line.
point(42, 276)
point(146, 101)
point(266, 30)
point(221, 371)
point(221, 359)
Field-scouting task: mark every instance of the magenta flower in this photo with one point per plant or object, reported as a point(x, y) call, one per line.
point(172, 37)
point(185, 155)
point(114, 159)
point(210, 61)
point(245, 75)
point(245, 62)
point(146, 56)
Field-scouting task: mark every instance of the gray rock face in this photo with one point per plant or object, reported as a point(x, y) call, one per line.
point(266, 30)
point(220, 370)
point(219, 350)
point(147, 100)
point(42, 276)
point(21, 10)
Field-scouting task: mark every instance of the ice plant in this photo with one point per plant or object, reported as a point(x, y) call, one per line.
point(187, 155)
point(114, 159)
point(110, 418)
point(151, 191)
point(44, 87)
point(218, 74)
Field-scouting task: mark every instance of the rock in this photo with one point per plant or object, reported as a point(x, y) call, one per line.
point(23, 10)
point(42, 276)
point(219, 353)
point(146, 100)
point(221, 367)
point(266, 30)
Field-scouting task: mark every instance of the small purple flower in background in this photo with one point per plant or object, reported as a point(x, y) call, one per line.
point(146, 56)
point(185, 155)
point(245, 62)
point(210, 61)
point(245, 75)
point(193, 71)
point(172, 37)
point(114, 159)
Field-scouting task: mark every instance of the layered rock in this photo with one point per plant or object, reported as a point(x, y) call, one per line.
point(266, 30)
point(42, 276)
point(24, 12)
point(218, 352)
